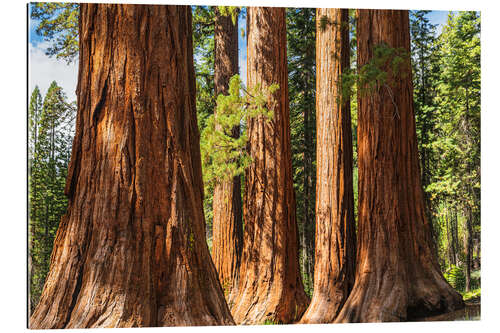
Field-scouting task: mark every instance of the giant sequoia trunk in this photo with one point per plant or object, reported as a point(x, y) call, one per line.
point(335, 229)
point(397, 273)
point(227, 223)
point(131, 250)
point(270, 287)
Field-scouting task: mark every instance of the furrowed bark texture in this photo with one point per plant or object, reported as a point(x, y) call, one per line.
point(335, 229)
point(397, 274)
point(131, 250)
point(227, 221)
point(270, 287)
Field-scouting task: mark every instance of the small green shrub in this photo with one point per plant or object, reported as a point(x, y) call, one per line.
point(455, 277)
point(472, 294)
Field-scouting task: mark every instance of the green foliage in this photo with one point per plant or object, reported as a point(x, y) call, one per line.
point(224, 154)
point(446, 79)
point(230, 10)
point(323, 22)
point(59, 25)
point(50, 137)
point(269, 322)
point(301, 53)
point(457, 139)
point(475, 293)
point(348, 89)
point(454, 136)
point(203, 49)
point(386, 64)
point(455, 277)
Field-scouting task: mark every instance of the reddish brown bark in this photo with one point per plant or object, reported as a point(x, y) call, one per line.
point(270, 286)
point(131, 250)
point(397, 273)
point(227, 222)
point(335, 229)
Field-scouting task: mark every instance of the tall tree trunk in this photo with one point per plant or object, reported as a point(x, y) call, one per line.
point(451, 243)
point(477, 251)
point(468, 248)
point(227, 223)
point(455, 240)
point(30, 275)
point(335, 229)
point(397, 273)
point(308, 248)
point(307, 230)
point(270, 286)
point(131, 249)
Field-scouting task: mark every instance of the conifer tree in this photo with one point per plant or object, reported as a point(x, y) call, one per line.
point(457, 142)
point(35, 204)
point(50, 146)
point(425, 73)
point(301, 51)
point(59, 26)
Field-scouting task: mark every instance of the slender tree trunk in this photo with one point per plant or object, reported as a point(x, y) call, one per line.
point(227, 223)
point(477, 251)
point(33, 218)
point(307, 232)
point(468, 249)
point(308, 216)
point(131, 249)
point(335, 229)
point(303, 248)
point(451, 243)
point(30, 276)
point(397, 274)
point(456, 246)
point(270, 286)
point(424, 154)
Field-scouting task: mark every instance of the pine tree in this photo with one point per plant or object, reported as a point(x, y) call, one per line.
point(59, 26)
point(50, 145)
point(203, 49)
point(35, 202)
point(457, 143)
point(301, 31)
point(425, 79)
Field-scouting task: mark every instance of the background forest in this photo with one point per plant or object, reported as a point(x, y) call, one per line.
point(447, 80)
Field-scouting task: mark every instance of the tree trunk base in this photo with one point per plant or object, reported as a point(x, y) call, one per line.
point(390, 298)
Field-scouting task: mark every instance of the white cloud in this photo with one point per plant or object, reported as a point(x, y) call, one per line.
point(43, 70)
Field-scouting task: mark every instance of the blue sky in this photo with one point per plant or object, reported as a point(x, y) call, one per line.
point(43, 69)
